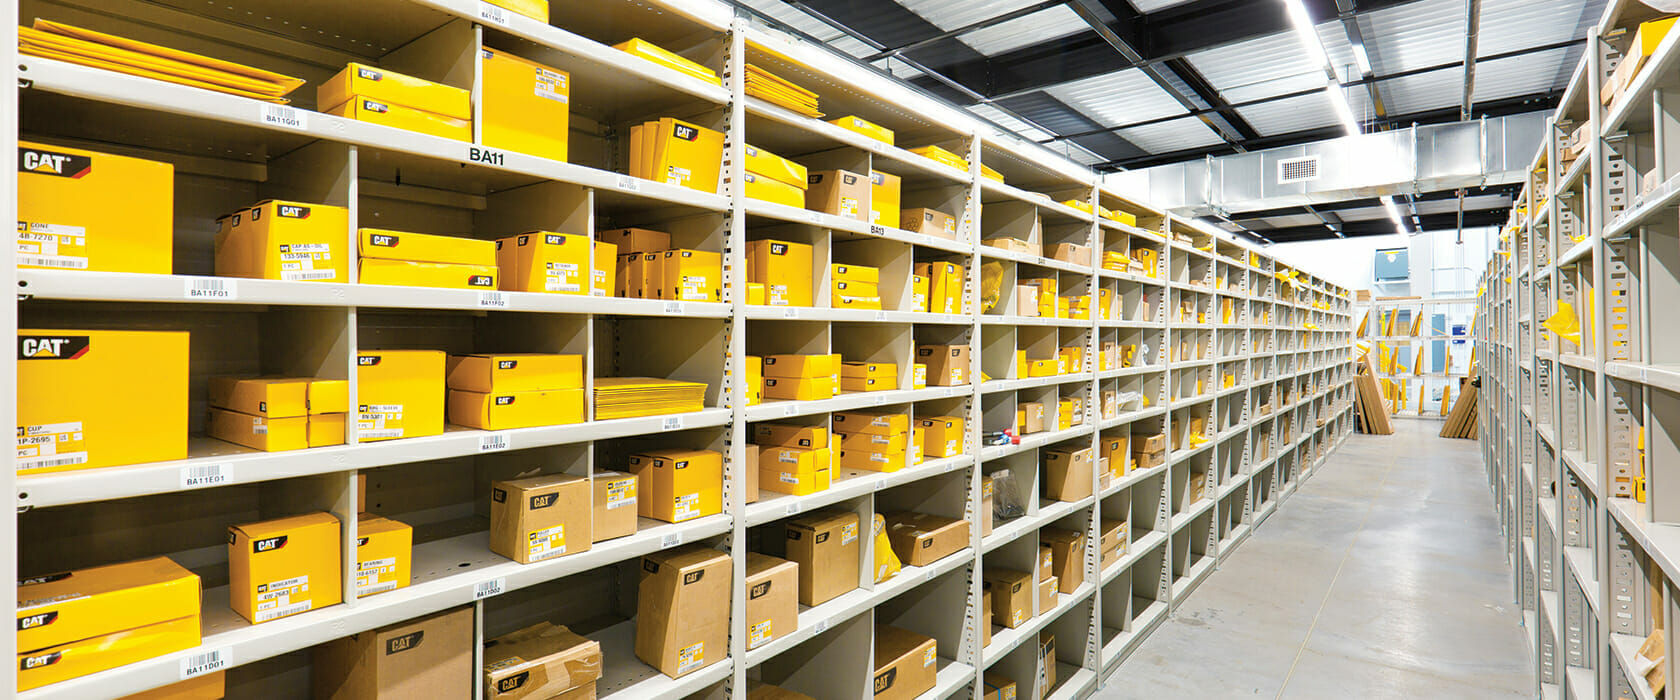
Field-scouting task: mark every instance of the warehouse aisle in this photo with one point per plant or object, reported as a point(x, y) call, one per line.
point(1383, 577)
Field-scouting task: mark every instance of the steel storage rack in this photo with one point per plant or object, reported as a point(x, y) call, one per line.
point(1427, 364)
point(1258, 352)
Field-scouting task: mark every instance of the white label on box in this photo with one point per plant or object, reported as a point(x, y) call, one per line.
point(281, 115)
point(494, 442)
point(206, 475)
point(211, 288)
point(206, 662)
point(492, 14)
point(788, 478)
point(691, 657)
point(545, 543)
point(492, 300)
point(485, 589)
point(552, 85)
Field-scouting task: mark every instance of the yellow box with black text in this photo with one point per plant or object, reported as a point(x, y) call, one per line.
point(384, 555)
point(89, 399)
point(373, 82)
point(421, 274)
point(282, 240)
point(132, 228)
point(396, 116)
point(794, 471)
point(82, 657)
point(520, 409)
point(278, 568)
point(258, 432)
point(525, 105)
point(766, 189)
point(543, 261)
point(400, 393)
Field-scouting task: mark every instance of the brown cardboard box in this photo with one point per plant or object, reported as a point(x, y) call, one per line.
point(770, 692)
point(920, 539)
point(678, 485)
point(1072, 253)
point(1112, 534)
point(929, 222)
point(1114, 451)
point(998, 687)
point(987, 503)
point(751, 469)
point(1151, 444)
point(541, 661)
point(906, 663)
point(1013, 245)
point(772, 598)
point(682, 609)
point(1047, 589)
point(1012, 595)
point(1026, 300)
point(540, 517)
point(1067, 474)
point(614, 505)
point(825, 545)
point(840, 193)
point(1034, 422)
point(430, 656)
point(947, 364)
point(1068, 549)
point(1046, 562)
point(1194, 491)
point(1047, 655)
point(986, 617)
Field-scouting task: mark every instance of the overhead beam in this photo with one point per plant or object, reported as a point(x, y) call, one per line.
point(1384, 227)
point(1349, 16)
point(1374, 203)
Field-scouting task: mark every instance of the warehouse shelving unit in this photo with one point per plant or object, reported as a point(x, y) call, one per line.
point(1428, 361)
point(1285, 346)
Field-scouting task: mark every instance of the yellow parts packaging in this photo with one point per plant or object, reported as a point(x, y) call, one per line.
point(53, 664)
point(421, 274)
point(886, 194)
point(526, 106)
point(769, 165)
point(282, 240)
point(131, 230)
point(91, 399)
point(784, 268)
point(944, 436)
point(375, 83)
point(839, 193)
point(384, 555)
point(396, 116)
point(283, 567)
point(258, 432)
point(676, 152)
point(691, 275)
point(544, 261)
point(945, 286)
point(85, 604)
point(511, 372)
point(887, 564)
point(855, 273)
point(794, 471)
point(425, 248)
point(123, 55)
point(540, 517)
point(400, 393)
point(520, 409)
point(857, 125)
point(535, 9)
point(678, 485)
point(1564, 323)
point(649, 51)
point(764, 189)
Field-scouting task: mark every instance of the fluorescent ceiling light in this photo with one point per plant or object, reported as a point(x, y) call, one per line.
point(1394, 214)
point(1362, 58)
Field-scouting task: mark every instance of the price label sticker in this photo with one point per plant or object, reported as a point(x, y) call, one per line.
point(629, 184)
point(206, 475)
point(492, 300)
point(206, 662)
point(210, 289)
point(492, 14)
point(671, 540)
point(285, 117)
point(494, 442)
point(671, 423)
point(485, 589)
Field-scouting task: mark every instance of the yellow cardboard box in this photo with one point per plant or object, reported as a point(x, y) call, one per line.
point(614, 504)
point(870, 423)
point(866, 442)
point(258, 432)
point(920, 293)
point(384, 555)
point(400, 393)
point(886, 192)
point(283, 567)
point(684, 154)
point(944, 436)
point(755, 294)
point(678, 485)
point(945, 286)
point(857, 125)
point(53, 664)
point(542, 261)
point(872, 461)
point(762, 188)
point(75, 605)
point(510, 372)
point(89, 399)
point(326, 429)
point(604, 281)
point(793, 471)
point(396, 116)
point(799, 389)
point(784, 267)
point(535, 9)
point(424, 247)
point(517, 409)
point(790, 435)
point(273, 397)
point(755, 380)
point(525, 106)
point(372, 82)
point(802, 366)
point(855, 273)
point(420, 274)
point(847, 288)
point(691, 275)
point(328, 396)
point(282, 240)
point(778, 169)
point(132, 229)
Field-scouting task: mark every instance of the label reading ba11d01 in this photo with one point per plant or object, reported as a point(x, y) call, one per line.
point(206, 662)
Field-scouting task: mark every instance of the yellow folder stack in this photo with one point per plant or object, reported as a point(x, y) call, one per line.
point(114, 53)
point(644, 49)
point(768, 87)
point(629, 397)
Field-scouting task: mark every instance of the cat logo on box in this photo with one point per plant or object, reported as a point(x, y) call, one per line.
point(693, 577)
point(497, 495)
point(366, 361)
point(403, 643)
point(30, 622)
point(481, 281)
point(369, 74)
point(31, 662)
point(507, 364)
point(886, 680)
point(268, 544)
point(52, 347)
point(685, 132)
point(372, 106)
point(55, 164)
point(504, 400)
point(543, 500)
point(778, 249)
point(289, 211)
point(512, 683)
point(384, 240)
point(759, 591)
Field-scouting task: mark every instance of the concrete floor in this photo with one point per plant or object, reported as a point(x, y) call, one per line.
point(1383, 577)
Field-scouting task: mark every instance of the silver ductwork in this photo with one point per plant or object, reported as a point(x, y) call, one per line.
point(1421, 159)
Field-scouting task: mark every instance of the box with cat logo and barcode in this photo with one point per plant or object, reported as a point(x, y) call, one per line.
point(89, 399)
point(525, 106)
point(682, 609)
point(425, 260)
point(542, 662)
point(614, 504)
point(76, 605)
point(678, 485)
point(399, 394)
point(906, 663)
point(384, 554)
point(132, 228)
point(289, 241)
point(540, 517)
point(545, 261)
point(278, 568)
point(772, 598)
point(430, 656)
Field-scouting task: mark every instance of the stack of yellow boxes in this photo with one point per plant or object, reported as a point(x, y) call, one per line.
point(399, 394)
point(679, 274)
point(277, 414)
point(1048, 306)
point(942, 436)
point(525, 106)
point(1116, 261)
point(877, 442)
point(499, 392)
point(1072, 360)
point(776, 90)
point(945, 286)
point(544, 261)
point(886, 196)
point(862, 126)
point(940, 155)
point(57, 230)
point(281, 240)
point(868, 376)
point(649, 51)
point(378, 96)
point(801, 377)
point(678, 153)
point(678, 485)
point(775, 179)
point(85, 47)
point(82, 622)
point(855, 287)
point(782, 270)
point(424, 260)
point(793, 459)
point(535, 9)
point(631, 397)
point(631, 244)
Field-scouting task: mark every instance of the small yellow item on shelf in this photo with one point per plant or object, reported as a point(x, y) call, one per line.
point(1564, 323)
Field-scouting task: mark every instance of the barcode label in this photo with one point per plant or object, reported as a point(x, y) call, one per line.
point(790, 313)
point(494, 442)
point(820, 627)
point(629, 184)
point(53, 261)
point(881, 485)
point(492, 300)
point(671, 540)
point(308, 275)
point(793, 509)
point(671, 423)
point(281, 115)
point(673, 307)
point(814, 217)
point(880, 315)
point(205, 475)
point(62, 460)
point(216, 288)
point(790, 410)
point(485, 589)
point(492, 14)
point(207, 662)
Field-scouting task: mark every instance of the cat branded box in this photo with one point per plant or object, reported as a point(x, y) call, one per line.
point(948, 365)
point(790, 389)
point(326, 429)
point(41, 667)
point(397, 116)
point(765, 189)
point(284, 240)
point(678, 485)
point(794, 471)
point(802, 366)
point(691, 275)
point(209, 686)
point(839, 193)
point(1046, 562)
point(278, 568)
point(524, 106)
point(855, 273)
point(987, 504)
point(426, 656)
point(1012, 596)
point(1067, 550)
point(784, 268)
point(132, 231)
point(789, 435)
point(678, 153)
point(541, 662)
point(512, 372)
point(535, 9)
point(861, 126)
point(906, 663)
point(945, 286)
point(825, 545)
point(400, 393)
point(772, 598)
point(871, 423)
point(919, 293)
point(516, 409)
point(87, 603)
point(635, 240)
point(886, 192)
point(614, 505)
point(1072, 253)
point(258, 432)
point(605, 276)
point(89, 399)
point(272, 397)
point(1114, 538)
point(682, 609)
point(376, 83)
point(384, 555)
point(1067, 474)
point(426, 248)
point(873, 460)
point(540, 517)
point(328, 396)
point(920, 539)
point(404, 273)
point(944, 436)
point(777, 169)
point(929, 222)
point(542, 261)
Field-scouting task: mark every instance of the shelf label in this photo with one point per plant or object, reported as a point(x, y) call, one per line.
point(673, 307)
point(932, 573)
point(629, 184)
point(790, 313)
point(793, 508)
point(877, 230)
point(492, 300)
point(492, 14)
point(486, 156)
point(790, 410)
point(283, 116)
point(814, 217)
point(671, 423)
point(880, 484)
point(485, 589)
point(494, 442)
point(671, 540)
point(207, 662)
point(880, 315)
point(950, 467)
point(211, 288)
point(206, 475)
point(820, 627)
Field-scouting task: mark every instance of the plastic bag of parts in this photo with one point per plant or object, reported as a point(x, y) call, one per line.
point(1006, 496)
point(991, 285)
point(887, 564)
point(1130, 401)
